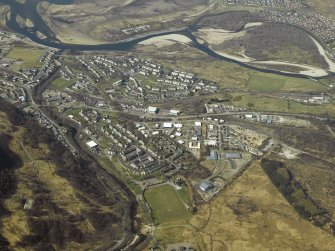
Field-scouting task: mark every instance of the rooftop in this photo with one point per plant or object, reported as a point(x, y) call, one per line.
point(91, 144)
point(205, 186)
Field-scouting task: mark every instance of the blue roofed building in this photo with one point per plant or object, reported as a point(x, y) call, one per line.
point(232, 156)
point(213, 155)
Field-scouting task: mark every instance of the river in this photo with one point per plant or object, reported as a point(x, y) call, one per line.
point(28, 10)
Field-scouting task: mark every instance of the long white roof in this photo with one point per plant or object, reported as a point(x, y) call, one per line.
point(91, 144)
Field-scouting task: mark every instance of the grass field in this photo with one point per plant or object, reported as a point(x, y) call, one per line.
point(29, 56)
point(271, 83)
point(273, 104)
point(185, 195)
point(165, 204)
point(61, 83)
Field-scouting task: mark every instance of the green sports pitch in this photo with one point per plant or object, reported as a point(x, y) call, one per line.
point(166, 204)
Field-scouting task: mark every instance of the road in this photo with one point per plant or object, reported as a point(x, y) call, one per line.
point(205, 115)
point(331, 131)
point(116, 185)
point(35, 104)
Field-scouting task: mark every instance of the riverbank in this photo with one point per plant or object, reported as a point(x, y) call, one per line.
point(216, 38)
point(166, 40)
point(128, 44)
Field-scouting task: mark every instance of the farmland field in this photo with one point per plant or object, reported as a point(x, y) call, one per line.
point(165, 204)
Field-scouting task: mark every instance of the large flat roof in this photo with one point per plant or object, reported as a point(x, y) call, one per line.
point(91, 144)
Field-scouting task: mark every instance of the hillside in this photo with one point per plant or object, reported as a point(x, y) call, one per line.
point(52, 200)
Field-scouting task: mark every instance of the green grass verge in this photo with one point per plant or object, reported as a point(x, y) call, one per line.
point(165, 204)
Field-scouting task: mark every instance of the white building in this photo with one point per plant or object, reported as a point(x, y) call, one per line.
point(174, 112)
point(210, 142)
point(197, 124)
point(194, 145)
point(167, 125)
point(91, 144)
point(178, 125)
point(152, 109)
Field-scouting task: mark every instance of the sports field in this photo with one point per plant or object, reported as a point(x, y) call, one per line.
point(61, 83)
point(165, 204)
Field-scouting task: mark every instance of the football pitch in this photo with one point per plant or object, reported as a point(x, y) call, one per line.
point(165, 204)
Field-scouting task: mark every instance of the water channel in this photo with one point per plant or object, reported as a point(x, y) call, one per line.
point(28, 10)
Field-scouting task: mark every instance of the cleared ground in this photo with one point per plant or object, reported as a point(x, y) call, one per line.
point(165, 204)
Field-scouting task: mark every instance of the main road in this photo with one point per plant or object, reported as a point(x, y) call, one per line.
point(35, 104)
point(204, 115)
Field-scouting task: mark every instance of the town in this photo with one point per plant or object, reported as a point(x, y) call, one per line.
point(168, 144)
point(116, 103)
